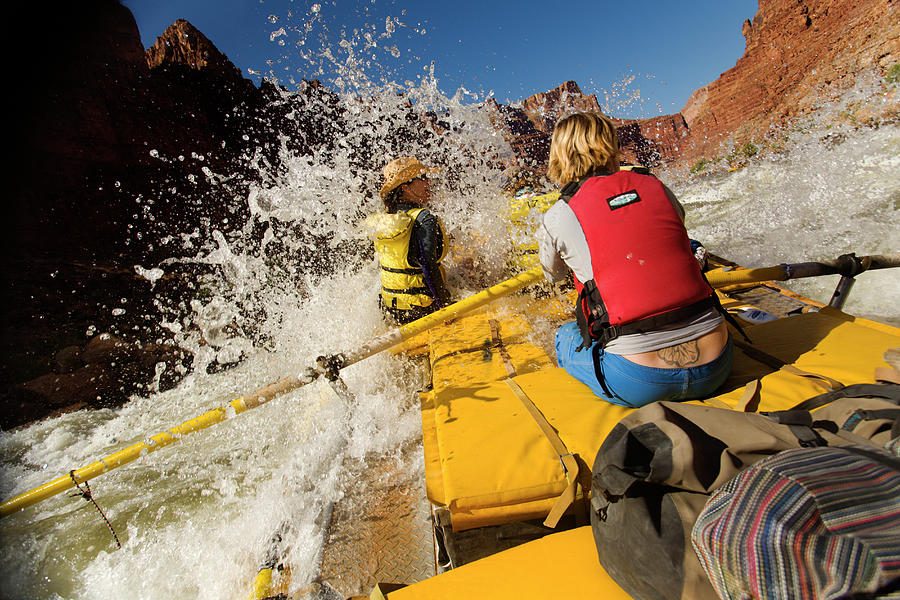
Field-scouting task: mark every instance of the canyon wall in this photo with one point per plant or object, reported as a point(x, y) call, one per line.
point(799, 55)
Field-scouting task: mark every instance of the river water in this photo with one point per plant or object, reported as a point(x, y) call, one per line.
point(196, 518)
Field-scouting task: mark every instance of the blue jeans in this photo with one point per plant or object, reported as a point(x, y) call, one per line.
point(629, 384)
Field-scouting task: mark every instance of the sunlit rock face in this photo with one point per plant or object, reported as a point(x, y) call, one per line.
point(649, 142)
point(798, 56)
point(181, 43)
point(544, 109)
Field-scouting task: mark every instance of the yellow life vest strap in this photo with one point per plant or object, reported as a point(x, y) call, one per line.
point(571, 465)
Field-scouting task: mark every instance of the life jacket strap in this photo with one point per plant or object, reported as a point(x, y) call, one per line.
point(667, 318)
point(409, 291)
point(411, 271)
point(589, 310)
point(593, 318)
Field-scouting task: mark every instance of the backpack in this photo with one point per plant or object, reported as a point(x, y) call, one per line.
point(656, 470)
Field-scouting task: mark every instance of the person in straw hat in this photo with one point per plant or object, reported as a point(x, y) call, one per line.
point(410, 243)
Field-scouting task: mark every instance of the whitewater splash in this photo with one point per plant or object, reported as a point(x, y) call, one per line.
point(818, 200)
point(195, 519)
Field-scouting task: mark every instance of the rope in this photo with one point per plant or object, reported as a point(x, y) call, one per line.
point(86, 494)
point(501, 348)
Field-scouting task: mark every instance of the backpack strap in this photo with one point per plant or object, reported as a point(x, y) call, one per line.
point(800, 423)
point(886, 391)
point(576, 474)
point(881, 458)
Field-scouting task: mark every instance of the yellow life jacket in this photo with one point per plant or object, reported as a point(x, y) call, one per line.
point(403, 285)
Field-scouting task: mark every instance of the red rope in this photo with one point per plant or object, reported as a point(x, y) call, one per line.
point(86, 494)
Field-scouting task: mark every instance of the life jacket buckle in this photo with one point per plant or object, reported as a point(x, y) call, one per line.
point(608, 333)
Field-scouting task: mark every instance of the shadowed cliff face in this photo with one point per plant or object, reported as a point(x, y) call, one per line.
point(120, 151)
point(112, 150)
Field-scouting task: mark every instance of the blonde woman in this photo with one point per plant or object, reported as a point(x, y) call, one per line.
point(648, 326)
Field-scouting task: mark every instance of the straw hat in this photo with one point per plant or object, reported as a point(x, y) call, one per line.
point(402, 170)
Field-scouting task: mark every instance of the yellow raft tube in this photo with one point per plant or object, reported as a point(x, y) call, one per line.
point(489, 461)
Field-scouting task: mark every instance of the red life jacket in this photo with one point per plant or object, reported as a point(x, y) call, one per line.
point(645, 275)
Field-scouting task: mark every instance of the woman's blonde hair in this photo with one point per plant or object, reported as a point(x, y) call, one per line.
point(582, 143)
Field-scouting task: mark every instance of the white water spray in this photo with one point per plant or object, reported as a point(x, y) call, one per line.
point(196, 518)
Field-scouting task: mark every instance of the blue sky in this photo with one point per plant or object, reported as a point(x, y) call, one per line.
point(641, 59)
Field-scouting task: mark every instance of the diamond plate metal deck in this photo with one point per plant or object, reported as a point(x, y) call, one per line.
point(770, 300)
point(381, 531)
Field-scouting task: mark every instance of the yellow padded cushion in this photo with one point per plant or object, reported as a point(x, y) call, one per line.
point(560, 565)
point(489, 462)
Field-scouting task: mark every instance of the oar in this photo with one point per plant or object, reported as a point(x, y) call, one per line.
point(846, 265)
point(325, 365)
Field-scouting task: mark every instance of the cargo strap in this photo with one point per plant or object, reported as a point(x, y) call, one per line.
point(497, 342)
point(750, 399)
point(572, 467)
point(887, 392)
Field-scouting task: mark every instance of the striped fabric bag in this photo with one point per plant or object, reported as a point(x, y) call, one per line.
point(810, 523)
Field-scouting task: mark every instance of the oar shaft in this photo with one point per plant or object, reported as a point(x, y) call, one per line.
point(799, 270)
point(407, 331)
point(392, 338)
point(264, 394)
point(158, 441)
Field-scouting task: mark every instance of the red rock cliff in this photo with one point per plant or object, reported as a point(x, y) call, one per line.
point(798, 54)
point(181, 43)
point(544, 109)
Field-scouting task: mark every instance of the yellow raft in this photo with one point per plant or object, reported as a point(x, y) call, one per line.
point(490, 463)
